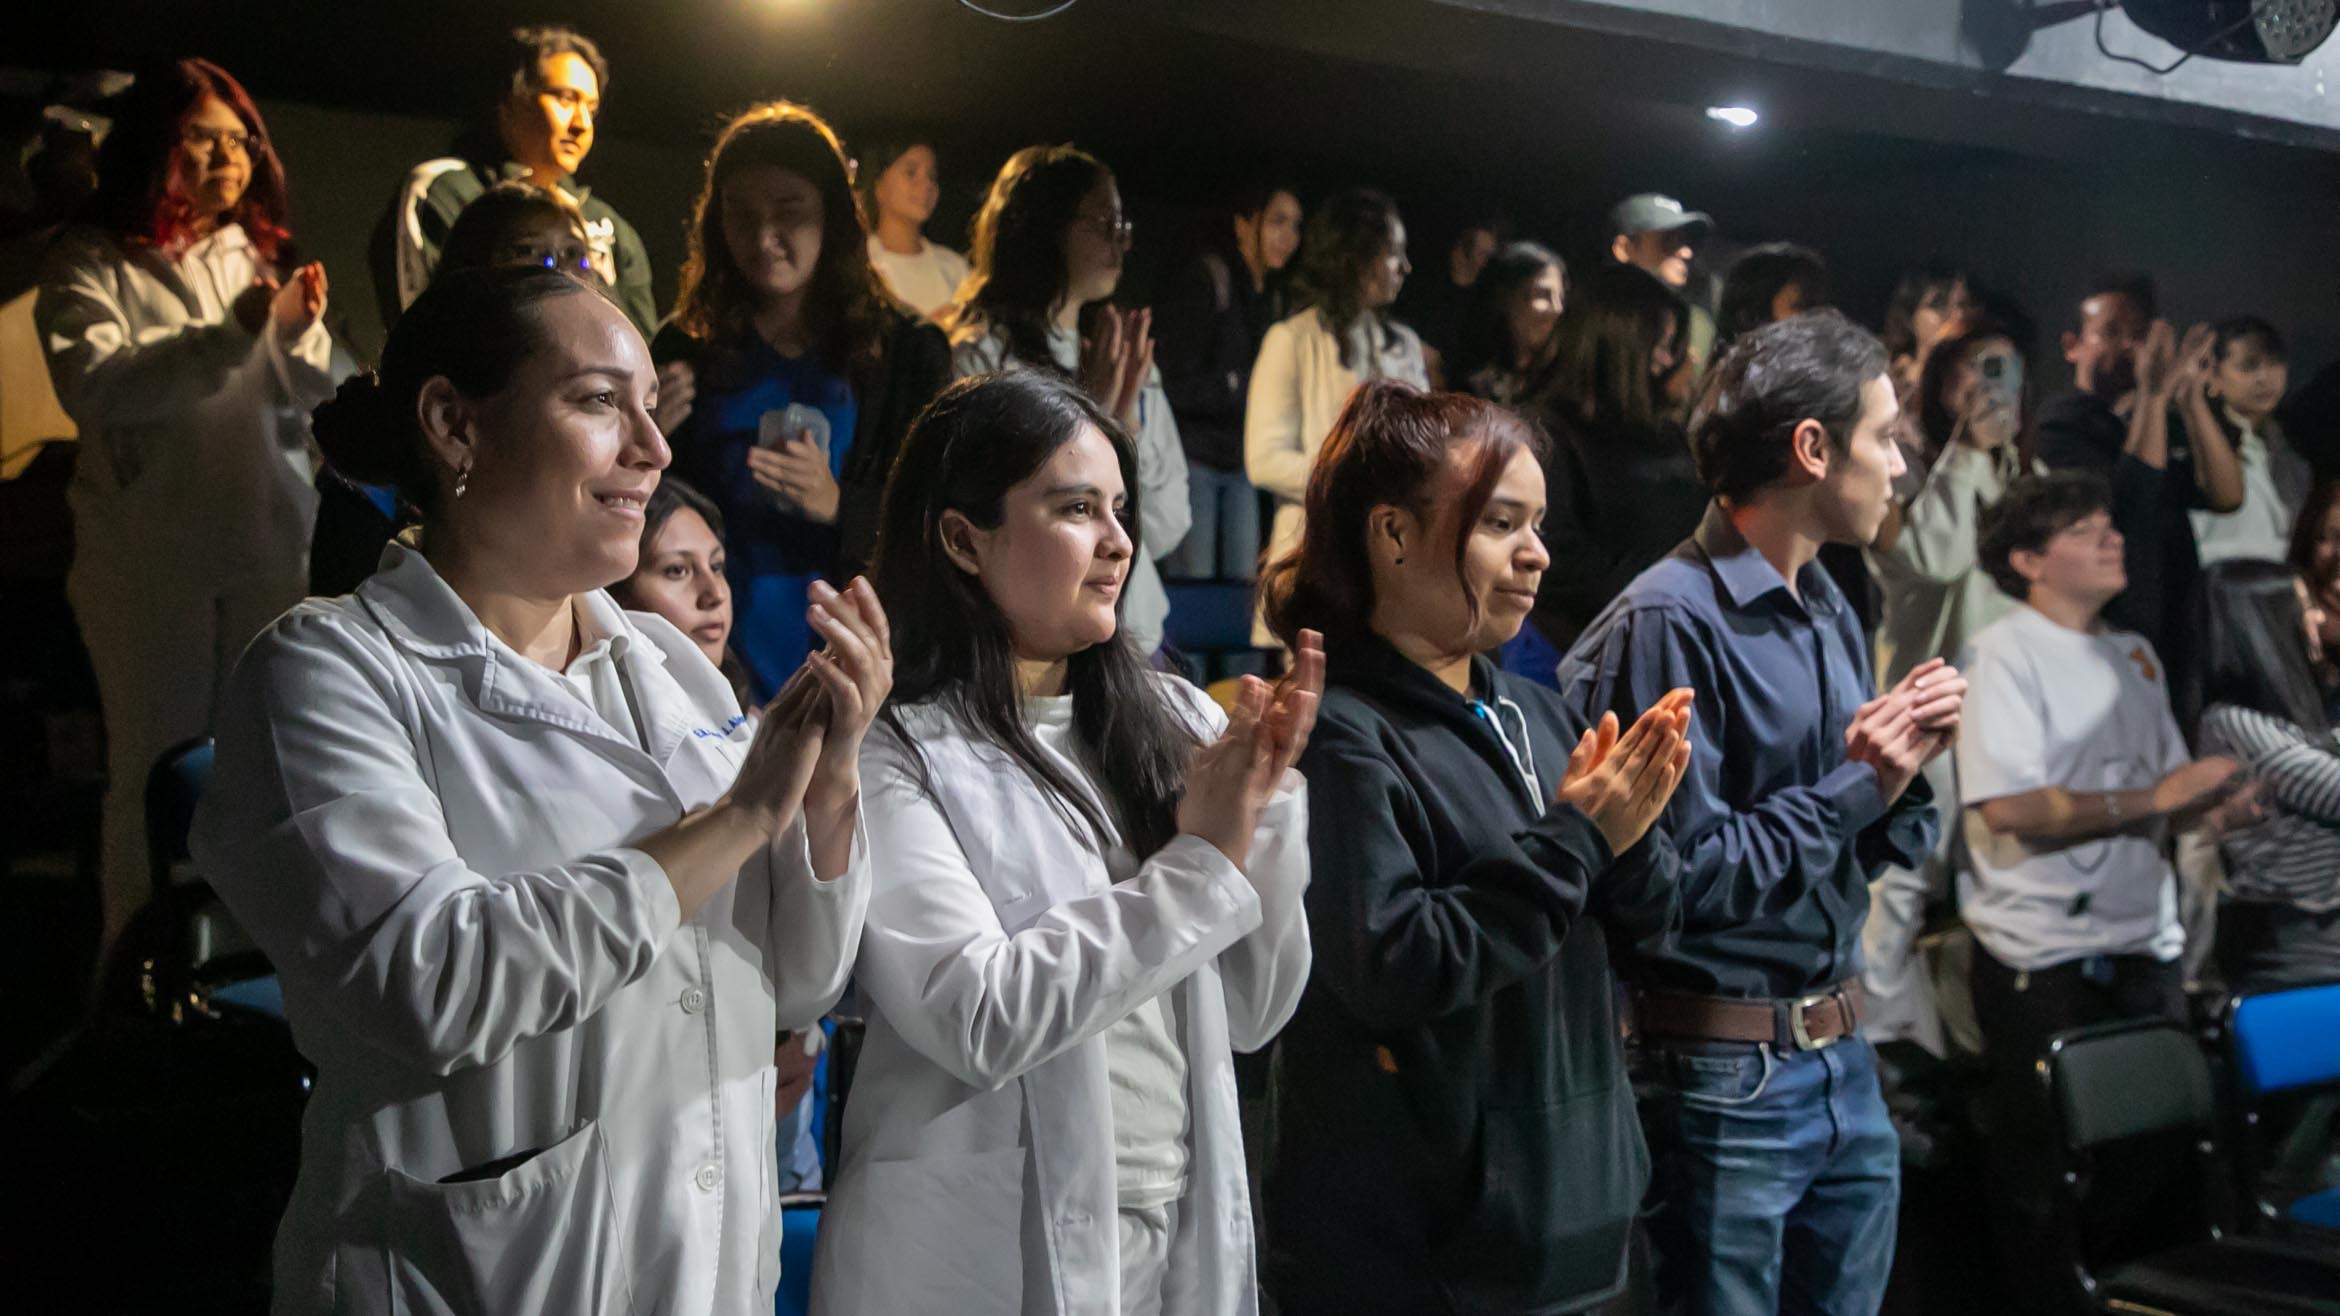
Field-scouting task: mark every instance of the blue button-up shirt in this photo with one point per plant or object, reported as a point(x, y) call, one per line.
point(1778, 833)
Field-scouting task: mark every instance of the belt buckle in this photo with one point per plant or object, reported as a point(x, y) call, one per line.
point(1802, 1033)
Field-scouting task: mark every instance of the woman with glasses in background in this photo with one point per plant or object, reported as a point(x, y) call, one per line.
point(1049, 244)
point(188, 344)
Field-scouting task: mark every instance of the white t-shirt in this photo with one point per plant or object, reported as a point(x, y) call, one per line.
point(2087, 711)
point(2261, 527)
point(928, 281)
point(1145, 1065)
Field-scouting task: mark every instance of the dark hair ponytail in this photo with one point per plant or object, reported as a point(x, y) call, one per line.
point(472, 327)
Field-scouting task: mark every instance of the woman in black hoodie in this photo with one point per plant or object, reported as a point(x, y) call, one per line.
point(1454, 1128)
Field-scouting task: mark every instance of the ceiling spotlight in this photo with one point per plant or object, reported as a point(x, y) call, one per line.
point(2255, 31)
point(1737, 116)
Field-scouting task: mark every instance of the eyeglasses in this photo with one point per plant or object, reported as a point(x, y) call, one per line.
point(212, 139)
point(1113, 228)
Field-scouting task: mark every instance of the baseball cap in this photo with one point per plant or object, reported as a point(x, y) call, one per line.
point(1654, 212)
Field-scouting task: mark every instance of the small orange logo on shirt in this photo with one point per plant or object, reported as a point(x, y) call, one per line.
point(2144, 661)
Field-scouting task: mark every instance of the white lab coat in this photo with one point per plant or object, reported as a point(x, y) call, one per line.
point(429, 836)
point(978, 1168)
point(1298, 388)
point(192, 496)
point(1163, 510)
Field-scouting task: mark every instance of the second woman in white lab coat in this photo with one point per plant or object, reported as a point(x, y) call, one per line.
point(539, 902)
point(188, 351)
point(1087, 889)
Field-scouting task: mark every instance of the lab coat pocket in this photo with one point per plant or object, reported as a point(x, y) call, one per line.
point(541, 1236)
point(947, 1235)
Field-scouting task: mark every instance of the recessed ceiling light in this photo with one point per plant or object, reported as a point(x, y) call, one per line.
point(1737, 116)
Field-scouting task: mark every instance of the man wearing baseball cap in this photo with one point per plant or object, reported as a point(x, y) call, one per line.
point(1657, 233)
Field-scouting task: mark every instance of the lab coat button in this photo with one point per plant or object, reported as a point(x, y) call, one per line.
point(694, 1000)
point(708, 1177)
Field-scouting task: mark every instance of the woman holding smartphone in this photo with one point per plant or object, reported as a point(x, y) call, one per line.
point(806, 374)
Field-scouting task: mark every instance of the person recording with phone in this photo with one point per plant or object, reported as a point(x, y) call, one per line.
point(805, 374)
point(1968, 442)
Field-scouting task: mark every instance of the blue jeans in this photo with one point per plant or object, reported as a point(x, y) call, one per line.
point(1222, 543)
point(1776, 1179)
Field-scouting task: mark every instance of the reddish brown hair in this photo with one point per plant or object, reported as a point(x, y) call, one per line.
point(134, 199)
point(1390, 447)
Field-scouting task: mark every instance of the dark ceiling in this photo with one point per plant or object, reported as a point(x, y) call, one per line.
point(1452, 108)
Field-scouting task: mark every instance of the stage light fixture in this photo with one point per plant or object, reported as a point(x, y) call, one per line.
point(2252, 31)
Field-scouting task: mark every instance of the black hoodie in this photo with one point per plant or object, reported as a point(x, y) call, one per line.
point(1454, 1129)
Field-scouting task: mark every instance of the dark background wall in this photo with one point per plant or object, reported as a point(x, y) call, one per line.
point(1454, 110)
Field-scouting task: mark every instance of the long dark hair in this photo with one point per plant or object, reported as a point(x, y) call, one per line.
point(845, 307)
point(1344, 236)
point(1617, 317)
point(674, 495)
point(134, 201)
point(1486, 329)
point(1387, 448)
point(2308, 531)
point(1757, 278)
point(2258, 644)
point(1936, 421)
point(1016, 269)
point(1917, 287)
point(980, 438)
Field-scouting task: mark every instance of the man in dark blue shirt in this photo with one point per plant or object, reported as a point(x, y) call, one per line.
point(1778, 1170)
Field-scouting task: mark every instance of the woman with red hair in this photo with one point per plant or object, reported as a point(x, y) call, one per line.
point(189, 353)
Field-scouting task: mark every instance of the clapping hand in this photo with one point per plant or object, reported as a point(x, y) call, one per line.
point(1116, 361)
point(855, 671)
point(1623, 782)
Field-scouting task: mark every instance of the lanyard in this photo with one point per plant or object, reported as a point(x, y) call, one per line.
point(1499, 716)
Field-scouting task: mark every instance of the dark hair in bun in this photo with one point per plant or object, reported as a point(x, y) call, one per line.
point(474, 327)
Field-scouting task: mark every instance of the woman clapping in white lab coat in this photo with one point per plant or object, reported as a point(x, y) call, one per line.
point(188, 344)
point(1087, 888)
point(538, 900)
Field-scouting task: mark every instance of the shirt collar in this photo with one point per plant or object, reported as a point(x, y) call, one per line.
point(601, 630)
point(1748, 576)
point(422, 612)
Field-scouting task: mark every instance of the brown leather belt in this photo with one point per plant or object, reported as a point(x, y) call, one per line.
point(1803, 1023)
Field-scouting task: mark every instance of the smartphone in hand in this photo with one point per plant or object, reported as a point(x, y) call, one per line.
point(775, 428)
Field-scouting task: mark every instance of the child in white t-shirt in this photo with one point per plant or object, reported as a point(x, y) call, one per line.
point(2070, 773)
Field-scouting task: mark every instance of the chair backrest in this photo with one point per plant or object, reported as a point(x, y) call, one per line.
point(1210, 616)
point(2285, 1040)
point(2126, 1079)
point(172, 789)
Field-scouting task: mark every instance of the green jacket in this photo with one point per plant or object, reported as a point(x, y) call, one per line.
point(405, 247)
